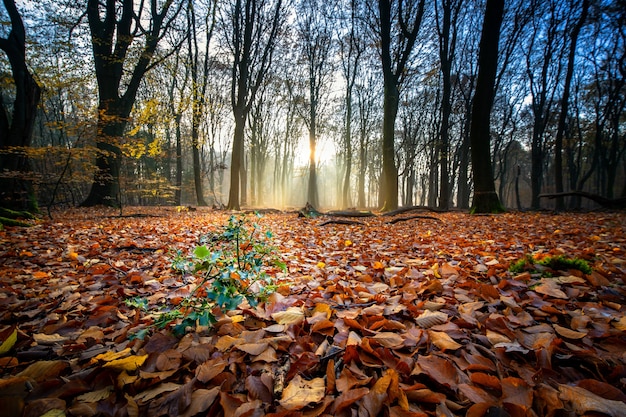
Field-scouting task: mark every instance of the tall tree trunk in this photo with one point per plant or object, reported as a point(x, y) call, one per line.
point(345, 195)
point(558, 143)
point(179, 163)
point(236, 159)
point(485, 198)
point(16, 191)
point(312, 193)
point(394, 64)
point(388, 193)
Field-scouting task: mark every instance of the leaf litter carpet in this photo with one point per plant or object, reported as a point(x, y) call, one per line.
point(417, 318)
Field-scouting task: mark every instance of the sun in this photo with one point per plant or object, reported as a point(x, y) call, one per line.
point(325, 152)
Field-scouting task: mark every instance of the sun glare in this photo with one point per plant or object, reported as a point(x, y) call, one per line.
point(325, 152)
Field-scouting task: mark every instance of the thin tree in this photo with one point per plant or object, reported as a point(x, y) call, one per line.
point(199, 82)
point(485, 198)
point(315, 38)
point(447, 30)
point(351, 48)
point(254, 27)
point(560, 131)
point(16, 129)
point(398, 23)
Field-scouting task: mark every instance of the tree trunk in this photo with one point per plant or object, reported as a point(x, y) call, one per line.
point(485, 198)
point(17, 190)
point(179, 163)
point(235, 160)
point(111, 38)
point(558, 143)
point(388, 193)
point(345, 202)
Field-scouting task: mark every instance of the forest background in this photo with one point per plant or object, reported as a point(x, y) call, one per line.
point(276, 103)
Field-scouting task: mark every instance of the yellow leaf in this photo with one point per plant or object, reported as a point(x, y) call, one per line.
point(293, 315)
point(300, 393)
point(130, 363)
point(321, 265)
point(621, 324)
point(435, 269)
point(347, 243)
point(110, 356)
point(443, 341)
point(378, 265)
point(7, 344)
point(323, 308)
point(238, 318)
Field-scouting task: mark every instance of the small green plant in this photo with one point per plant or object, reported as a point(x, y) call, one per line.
point(556, 263)
point(522, 265)
point(562, 263)
point(232, 266)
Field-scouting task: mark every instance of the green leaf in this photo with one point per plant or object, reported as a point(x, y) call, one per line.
point(8, 344)
point(201, 252)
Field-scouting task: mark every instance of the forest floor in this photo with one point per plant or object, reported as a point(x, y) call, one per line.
point(417, 318)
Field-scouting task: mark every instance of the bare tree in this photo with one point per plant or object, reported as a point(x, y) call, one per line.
point(398, 23)
point(315, 39)
point(16, 129)
point(569, 73)
point(253, 31)
point(351, 47)
point(485, 198)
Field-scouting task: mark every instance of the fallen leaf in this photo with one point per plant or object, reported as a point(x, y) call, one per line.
point(293, 315)
point(443, 341)
point(301, 392)
point(9, 341)
point(130, 363)
point(584, 401)
point(568, 333)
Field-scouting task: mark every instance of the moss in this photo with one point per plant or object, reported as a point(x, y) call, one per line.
point(553, 262)
point(563, 263)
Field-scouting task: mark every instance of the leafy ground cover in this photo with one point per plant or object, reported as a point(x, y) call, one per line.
point(414, 318)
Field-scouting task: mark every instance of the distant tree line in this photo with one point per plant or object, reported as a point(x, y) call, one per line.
point(369, 104)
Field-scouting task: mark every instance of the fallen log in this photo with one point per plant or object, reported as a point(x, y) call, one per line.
point(610, 203)
point(403, 210)
point(342, 221)
point(350, 213)
point(403, 219)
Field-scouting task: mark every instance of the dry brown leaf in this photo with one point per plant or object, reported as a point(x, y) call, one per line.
point(429, 319)
point(550, 287)
point(293, 315)
point(584, 401)
point(210, 369)
point(568, 333)
point(443, 341)
point(201, 400)
point(301, 392)
point(389, 339)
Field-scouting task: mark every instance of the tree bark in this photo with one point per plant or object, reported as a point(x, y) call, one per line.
point(16, 191)
point(394, 64)
point(485, 198)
